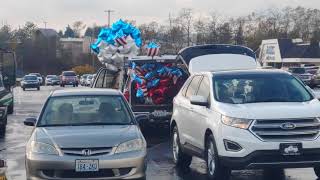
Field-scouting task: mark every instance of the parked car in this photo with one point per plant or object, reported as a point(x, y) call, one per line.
point(86, 133)
point(6, 106)
point(301, 73)
point(83, 79)
point(30, 81)
point(39, 77)
point(7, 82)
point(235, 116)
point(52, 80)
point(312, 69)
point(89, 80)
point(158, 112)
point(315, 80)
point(68, 78)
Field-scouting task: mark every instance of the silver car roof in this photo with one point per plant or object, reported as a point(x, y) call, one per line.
point(85, 92)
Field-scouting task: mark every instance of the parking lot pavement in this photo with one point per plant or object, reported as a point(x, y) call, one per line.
point(160, 166)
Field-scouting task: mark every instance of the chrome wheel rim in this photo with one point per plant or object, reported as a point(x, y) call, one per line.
point(175, 146)
point(211, 159)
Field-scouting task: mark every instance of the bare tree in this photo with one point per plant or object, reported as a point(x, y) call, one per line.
point(185, 21)
point(78, 26)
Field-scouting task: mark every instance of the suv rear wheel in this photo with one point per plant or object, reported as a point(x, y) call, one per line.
point(10, 108)
point(3, 127)
point(181, 159)
point(215, 171)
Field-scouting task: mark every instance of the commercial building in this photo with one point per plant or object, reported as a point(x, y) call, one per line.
point(282, 53)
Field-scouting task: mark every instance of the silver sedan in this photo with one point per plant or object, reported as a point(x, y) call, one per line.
point(86, 134)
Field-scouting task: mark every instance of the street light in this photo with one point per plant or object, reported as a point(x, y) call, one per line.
point(109, 14)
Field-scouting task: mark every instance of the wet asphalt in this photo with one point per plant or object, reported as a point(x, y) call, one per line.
point(160, 165)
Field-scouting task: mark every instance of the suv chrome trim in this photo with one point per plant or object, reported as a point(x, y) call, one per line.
point(298, 129)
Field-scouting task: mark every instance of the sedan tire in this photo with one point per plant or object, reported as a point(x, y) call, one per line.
point(3, 128)
point(11, 108)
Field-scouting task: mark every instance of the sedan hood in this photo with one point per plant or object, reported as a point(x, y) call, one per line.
point(271, 110)
point(87, 136)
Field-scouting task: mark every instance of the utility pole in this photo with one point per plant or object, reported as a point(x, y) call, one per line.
point(109, 15)
point(45, 24)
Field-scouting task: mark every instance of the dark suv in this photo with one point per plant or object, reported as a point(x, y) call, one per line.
point(69, 78)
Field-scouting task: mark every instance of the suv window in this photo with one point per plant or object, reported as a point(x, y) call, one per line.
point(204, 88)
point(185, 87)
point(193, 87)
point(99, 82)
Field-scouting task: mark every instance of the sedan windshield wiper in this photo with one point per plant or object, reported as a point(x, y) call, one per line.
point(85, 124)
point(53, 125)
point(98, 123)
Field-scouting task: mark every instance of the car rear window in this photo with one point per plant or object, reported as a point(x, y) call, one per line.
point(69, 74)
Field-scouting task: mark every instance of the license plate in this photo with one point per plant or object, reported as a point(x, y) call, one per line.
point(87, 165)
point(159, 113)
point(291, 149)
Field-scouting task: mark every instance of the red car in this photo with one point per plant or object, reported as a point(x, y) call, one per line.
point(69, 78)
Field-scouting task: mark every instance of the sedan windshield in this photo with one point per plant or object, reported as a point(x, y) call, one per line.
point(253, 88)
point(35, 74)
point(30, 78)
point(84, 111)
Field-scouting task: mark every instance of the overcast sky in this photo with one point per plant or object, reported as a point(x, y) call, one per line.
point(59, 13)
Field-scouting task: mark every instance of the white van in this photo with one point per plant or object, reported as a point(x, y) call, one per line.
point(236, 116)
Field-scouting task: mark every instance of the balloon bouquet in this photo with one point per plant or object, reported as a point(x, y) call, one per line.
point(155, 83)
point(113, 44)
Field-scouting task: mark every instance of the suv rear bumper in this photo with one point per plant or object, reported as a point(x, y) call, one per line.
point(69, 82)
point(273, 159)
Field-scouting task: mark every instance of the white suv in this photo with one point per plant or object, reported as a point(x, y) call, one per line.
point(246, 119)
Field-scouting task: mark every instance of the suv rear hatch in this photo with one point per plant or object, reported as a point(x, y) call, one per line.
point(218, 58)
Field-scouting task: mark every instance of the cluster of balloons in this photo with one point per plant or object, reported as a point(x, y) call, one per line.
point(121, 40)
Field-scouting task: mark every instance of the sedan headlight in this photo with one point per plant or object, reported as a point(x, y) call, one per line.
point(133, 145)
point(236, 122)
point(43, 148)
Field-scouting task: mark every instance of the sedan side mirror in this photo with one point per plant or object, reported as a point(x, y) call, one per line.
point(199, 100)
point(30, 122)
